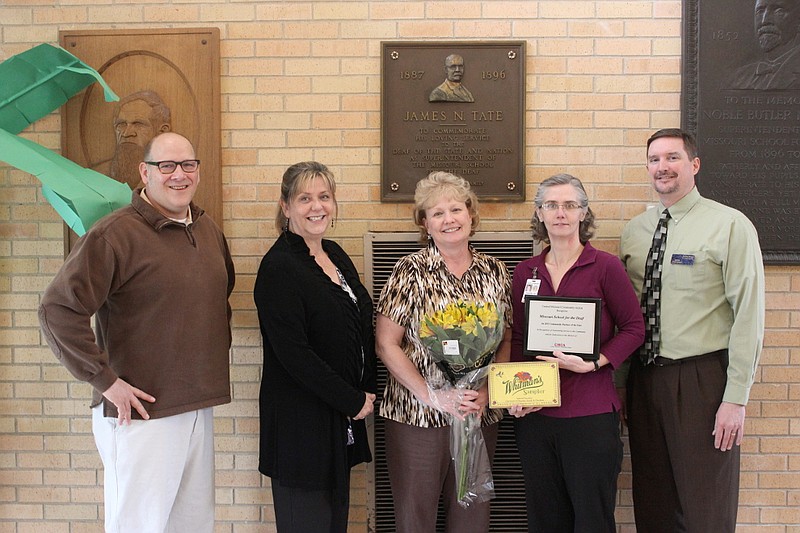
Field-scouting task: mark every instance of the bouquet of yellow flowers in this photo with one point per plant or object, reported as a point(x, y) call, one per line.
point(462, 339)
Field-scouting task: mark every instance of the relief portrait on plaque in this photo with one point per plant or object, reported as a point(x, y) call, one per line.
point(741, 99)
point(167, 80)
point(451, 89)
point(777, 31)
point(138, 118)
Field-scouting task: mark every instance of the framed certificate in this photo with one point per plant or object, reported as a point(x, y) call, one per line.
point(524, 384)
point(570, 325)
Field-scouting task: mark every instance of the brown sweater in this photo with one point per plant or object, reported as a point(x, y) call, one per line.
point(159, 292)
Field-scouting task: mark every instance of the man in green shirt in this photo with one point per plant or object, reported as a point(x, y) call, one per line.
point(686, 407)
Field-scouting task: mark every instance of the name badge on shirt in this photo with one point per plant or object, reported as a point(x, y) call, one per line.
point(531, 288)
point(682, 259)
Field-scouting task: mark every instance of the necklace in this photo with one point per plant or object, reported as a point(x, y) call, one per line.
point(552, 261)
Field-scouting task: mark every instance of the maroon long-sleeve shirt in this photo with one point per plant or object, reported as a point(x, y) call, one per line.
point(596, 274)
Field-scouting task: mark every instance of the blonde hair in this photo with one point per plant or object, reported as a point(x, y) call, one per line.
point(295, 179)
point(438, 185)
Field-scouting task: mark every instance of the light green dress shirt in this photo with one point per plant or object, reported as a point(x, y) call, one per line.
point(712, 284)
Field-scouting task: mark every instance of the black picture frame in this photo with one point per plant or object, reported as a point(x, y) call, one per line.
point(572, 316)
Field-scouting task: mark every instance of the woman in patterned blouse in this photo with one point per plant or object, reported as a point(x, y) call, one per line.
point(417, 434)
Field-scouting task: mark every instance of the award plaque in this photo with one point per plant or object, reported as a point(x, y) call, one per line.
point(569, 325)
point(524, 384)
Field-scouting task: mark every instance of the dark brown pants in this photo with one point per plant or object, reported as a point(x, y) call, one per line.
point(420, 469)
point(681, 483)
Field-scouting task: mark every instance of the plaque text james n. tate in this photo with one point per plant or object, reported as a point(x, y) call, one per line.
point(455, 107)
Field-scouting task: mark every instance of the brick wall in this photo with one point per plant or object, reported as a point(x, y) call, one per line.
point(301, 80)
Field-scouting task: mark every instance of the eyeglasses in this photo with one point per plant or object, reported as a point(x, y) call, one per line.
point(567, 206)
point(168, 167)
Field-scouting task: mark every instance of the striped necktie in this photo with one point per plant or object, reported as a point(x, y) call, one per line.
point(651, 292)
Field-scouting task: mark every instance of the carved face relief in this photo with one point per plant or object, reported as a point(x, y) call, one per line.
point(776, 24)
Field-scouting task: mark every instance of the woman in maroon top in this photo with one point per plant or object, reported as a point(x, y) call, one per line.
point(571, 455)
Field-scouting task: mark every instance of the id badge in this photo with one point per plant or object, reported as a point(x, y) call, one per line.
point(682, 259)
point(531, 288)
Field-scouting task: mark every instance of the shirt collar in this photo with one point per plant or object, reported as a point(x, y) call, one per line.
point(435, 261)
point(298, 244)
point(768, 66)
point(186, 221)
point(587, 257)
point(153, 216)
point(680, 208)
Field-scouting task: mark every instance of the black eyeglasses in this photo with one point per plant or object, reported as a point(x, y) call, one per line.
point(168, 167)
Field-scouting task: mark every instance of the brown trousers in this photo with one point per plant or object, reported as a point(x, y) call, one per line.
point(420, 469)
point(681, 483)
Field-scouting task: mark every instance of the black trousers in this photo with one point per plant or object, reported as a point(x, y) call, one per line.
point(570, 467)
point(310, 511)
point(681, 483)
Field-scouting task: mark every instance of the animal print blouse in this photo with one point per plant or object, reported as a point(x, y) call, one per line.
point(421, 284)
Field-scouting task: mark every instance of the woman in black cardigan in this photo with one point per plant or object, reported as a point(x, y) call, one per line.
point(318, 382)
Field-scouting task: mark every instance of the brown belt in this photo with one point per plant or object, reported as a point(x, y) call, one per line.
point(664, 361)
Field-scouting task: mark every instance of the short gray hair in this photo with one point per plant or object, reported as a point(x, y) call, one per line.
point(587, 227)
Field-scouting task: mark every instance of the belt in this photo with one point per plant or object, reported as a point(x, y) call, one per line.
point(664, 361)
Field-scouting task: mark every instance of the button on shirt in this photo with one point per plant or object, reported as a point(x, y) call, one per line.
point(712, 284)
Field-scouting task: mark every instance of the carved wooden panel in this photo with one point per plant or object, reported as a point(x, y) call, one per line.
point(179, 65)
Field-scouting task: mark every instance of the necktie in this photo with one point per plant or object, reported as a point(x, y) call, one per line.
point(651, 292)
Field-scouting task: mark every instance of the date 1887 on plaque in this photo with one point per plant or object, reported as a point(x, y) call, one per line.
point(457, 107)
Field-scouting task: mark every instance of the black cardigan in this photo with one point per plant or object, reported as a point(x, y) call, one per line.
point(314, 376)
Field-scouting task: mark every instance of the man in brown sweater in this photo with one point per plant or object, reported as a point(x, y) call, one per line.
point(156, 275)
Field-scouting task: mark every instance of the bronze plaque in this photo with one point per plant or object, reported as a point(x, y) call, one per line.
point(741, 97)
point(457, 107)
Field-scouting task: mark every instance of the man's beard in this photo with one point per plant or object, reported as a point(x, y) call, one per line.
point(769, 38)
point(125, 164)
point(669, 187)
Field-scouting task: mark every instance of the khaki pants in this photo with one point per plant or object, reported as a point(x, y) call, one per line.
point(159, 473)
